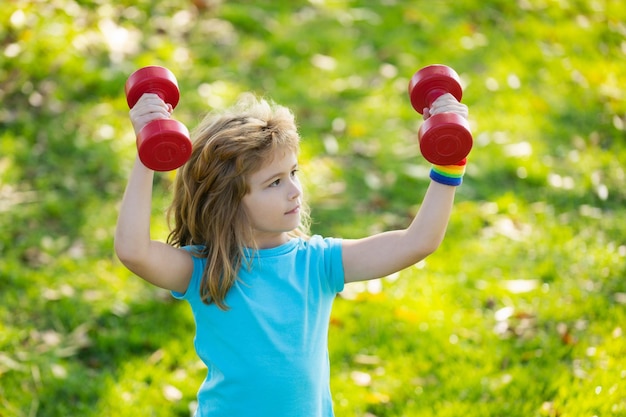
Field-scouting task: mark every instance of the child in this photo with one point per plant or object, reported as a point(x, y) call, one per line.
point(259, 287)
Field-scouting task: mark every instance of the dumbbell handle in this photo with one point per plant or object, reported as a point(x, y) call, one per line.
point(433, 95)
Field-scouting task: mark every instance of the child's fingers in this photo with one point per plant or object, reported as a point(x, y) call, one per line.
point(149, 107)
point(151, 104)
point(149, 97)
point(447, 103)
point(153, 100)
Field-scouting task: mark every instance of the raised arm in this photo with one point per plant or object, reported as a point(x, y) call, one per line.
point(385, 253)
point(156, 262)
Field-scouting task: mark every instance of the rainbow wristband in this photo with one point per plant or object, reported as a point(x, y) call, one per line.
point(449, 174)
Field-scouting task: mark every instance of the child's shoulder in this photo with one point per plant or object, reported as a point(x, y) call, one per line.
point(197, 251)
point(319, 242)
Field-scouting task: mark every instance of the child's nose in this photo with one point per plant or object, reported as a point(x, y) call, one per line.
point(295, 190)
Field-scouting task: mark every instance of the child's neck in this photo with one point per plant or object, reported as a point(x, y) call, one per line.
point(267, 241)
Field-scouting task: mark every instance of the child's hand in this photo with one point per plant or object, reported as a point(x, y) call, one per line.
point(148, 108)
point(446, 104)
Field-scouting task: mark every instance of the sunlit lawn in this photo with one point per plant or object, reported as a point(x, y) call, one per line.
point(521, 312)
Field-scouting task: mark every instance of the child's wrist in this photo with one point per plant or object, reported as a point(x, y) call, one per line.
point(449, 174)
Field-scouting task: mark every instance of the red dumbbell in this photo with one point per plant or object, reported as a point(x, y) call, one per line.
point(444, 138)
point(163, 144)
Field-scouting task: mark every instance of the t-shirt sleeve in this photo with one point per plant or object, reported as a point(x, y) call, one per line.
point(196, 276)
point(334, 264)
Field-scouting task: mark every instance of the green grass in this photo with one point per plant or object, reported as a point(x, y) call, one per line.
point(520, 313)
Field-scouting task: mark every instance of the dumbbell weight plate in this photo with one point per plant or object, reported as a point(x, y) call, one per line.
point(155, 80)
point(445, 139)
point(431, 82)
point(164, 144)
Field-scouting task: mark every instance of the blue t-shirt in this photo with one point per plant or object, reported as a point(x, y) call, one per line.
point(268, 354)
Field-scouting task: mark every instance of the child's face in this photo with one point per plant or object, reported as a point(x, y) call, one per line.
point(273, 203)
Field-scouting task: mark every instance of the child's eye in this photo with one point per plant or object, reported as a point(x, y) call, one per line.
point(278, 181)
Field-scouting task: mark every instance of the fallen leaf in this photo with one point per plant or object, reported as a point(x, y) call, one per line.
point(362, 379)
point(171, 393)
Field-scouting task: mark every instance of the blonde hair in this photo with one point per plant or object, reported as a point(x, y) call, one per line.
point(207, 207)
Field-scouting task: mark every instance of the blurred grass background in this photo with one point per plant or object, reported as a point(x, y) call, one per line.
point(520, 313)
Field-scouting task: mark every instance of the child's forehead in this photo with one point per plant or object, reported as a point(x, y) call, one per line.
point(279, 156)
point(280, 160)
